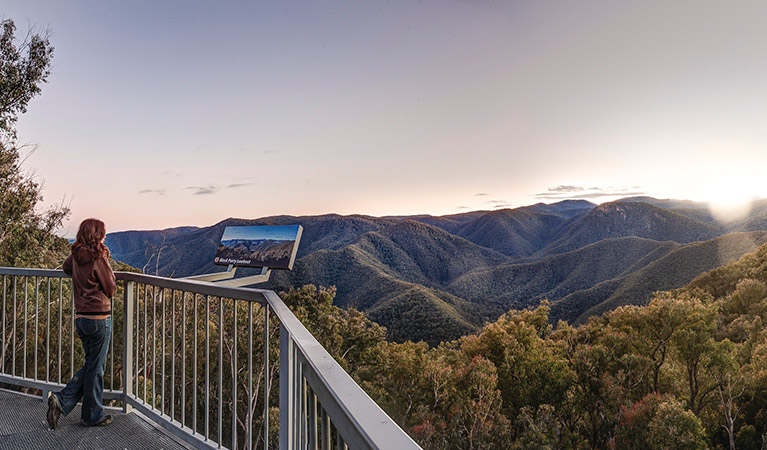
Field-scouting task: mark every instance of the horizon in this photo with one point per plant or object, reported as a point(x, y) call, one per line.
point(739, 213)
point(186, 112)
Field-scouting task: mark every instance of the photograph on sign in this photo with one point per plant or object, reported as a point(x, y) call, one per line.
point(259, 246)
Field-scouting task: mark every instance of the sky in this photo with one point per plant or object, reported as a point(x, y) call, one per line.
point(279, 233)
point(173, 113)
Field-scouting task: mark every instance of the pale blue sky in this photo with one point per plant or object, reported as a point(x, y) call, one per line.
point(278, 232)
point(170, 113)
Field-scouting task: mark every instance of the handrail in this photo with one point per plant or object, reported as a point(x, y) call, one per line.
point(361, 422)
point(26, 272)
point(200, 287)
point(315, 391)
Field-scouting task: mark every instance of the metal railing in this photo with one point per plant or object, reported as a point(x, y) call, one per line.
point(196, 358)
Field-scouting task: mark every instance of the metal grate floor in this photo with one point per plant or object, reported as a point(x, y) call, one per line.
point(23, 426)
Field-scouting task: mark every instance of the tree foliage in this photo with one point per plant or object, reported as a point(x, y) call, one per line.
point(26, 234)
point(23, 68)
point(687, 371)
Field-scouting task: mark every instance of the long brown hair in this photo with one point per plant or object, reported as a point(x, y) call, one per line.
point(89, 237)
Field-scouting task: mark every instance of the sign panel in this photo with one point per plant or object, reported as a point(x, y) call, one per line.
point(259, 246)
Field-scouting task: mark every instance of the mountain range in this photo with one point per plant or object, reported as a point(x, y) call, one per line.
point(435, 278)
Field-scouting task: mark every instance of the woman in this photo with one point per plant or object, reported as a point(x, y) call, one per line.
point(93, 283)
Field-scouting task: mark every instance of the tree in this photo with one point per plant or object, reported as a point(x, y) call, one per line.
point(698, 353)
point(659, 422)
point(649, 330)
point(674, 427)
point(730, 389)
point(26, 234)
point(21, 76)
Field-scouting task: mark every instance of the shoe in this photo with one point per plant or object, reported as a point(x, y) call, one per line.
point(54, 412)
point(106, 420)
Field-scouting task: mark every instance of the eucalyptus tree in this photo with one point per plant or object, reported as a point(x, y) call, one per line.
point(26, 233)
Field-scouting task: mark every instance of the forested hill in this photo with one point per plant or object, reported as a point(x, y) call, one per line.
point(686, 371)
point(435, 278)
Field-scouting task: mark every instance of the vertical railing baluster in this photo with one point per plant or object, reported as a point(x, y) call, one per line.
point(61, 322)
point(37, 322)
point(48, 335)
point(194, 369)
point(293, 402)
point(128, 332)
point(297, 382)
point(234, 373)
point(340, 444)
point(24, 366)
point(164, 356)
point(13, 349)
point(72, 333)
point(146, 324)
point(168, 352)
point(136, 355)
point(112, 350)
point(267, 384)
point(286, 390)
point(312, 420)
point(183, 357)
point(137, 313)
point(220, 367)
point(304, 410)
point(154, 346)
point(5, 313)
point(172, 354)
point(207, 367)
point(251, 406)
point(325, 430)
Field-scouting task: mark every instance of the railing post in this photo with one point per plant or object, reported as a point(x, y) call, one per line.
point(127, 345)
point(267, 385)
point(287, 419)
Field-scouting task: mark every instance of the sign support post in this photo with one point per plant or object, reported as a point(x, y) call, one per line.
point(262, 247)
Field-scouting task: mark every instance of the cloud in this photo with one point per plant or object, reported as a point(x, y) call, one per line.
point(152, 191)
point(481, 194)
point(461, 207)
point(211, 189)
point(566, 188)
point(563, 192)
point(611, 194)
point(497, 202)
point(238, 185)
point(202, 190)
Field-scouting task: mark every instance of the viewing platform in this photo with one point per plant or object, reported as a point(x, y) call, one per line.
point(191, 364)
point(23, 425)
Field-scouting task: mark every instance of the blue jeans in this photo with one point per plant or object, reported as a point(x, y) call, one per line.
point(88, 382)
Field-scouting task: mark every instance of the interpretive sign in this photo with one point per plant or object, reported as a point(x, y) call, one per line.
point(259, 246)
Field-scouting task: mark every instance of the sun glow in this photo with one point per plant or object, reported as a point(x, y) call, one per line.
point(731, 192)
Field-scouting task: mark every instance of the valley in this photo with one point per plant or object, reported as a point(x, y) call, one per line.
point(436, 278)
